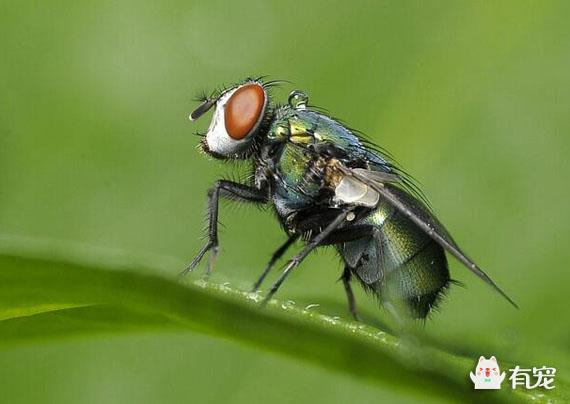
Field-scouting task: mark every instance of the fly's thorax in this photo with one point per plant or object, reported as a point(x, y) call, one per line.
point(297, 126)
point(332, 172)
point(311, 162)
point(298, 177)
point(279, 132)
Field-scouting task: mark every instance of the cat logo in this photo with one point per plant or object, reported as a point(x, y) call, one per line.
point(487, 375)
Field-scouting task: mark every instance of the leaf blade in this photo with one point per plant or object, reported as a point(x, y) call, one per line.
point(141, 301)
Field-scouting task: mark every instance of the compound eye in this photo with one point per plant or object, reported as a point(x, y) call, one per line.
point(243, 110)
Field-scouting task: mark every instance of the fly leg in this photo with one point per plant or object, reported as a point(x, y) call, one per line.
point(274, 258)
point(314, 243)
point(346, 275)
point(229, 190)
point(342, 236)
point(308, 222)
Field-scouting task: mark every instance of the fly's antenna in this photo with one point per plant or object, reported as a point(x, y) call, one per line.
point(202, 109)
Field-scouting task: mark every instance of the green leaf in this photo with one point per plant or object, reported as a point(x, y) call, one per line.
point(48, 299)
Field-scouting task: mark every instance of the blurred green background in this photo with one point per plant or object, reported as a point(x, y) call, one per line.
point(471, 97)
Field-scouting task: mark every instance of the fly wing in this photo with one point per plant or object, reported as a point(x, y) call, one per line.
point(376, 176)
point(419, 215)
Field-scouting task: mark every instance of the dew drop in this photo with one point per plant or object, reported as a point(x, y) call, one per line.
point(288, 304)
point(298, 100)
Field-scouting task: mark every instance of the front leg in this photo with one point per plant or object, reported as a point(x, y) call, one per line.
point(229, 190)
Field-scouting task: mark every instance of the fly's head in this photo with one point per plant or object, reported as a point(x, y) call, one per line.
point(241, 114)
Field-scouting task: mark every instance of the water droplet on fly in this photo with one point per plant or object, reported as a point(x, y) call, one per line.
point(298, 100)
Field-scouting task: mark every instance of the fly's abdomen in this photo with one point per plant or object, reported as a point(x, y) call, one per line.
point(399, 263)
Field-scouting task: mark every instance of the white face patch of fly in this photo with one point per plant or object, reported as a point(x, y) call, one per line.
point(354, 192)
point(217, 137)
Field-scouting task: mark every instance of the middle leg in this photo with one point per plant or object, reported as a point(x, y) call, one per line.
point(347, 234)
point(314, 243)
point(274, 258)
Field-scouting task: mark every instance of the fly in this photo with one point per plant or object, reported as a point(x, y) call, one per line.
point(329, 186)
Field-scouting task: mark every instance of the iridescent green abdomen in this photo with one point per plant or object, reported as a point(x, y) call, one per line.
point(400, 263)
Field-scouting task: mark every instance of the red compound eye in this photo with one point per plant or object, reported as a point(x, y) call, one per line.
point(243, 110)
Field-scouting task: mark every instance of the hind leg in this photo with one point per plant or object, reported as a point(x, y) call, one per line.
point(346, 275)
point(348, 234)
